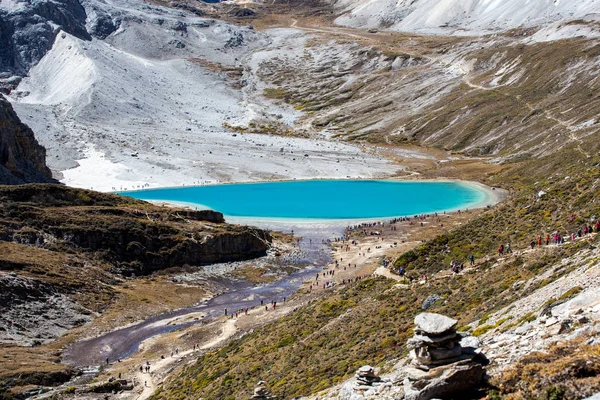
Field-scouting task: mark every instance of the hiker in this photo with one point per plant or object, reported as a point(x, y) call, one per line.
point(472, 259)
point(532, 244)
point(547, 240)
point(500, 249)
point(508, 249)
point(106, 360)
point(539, 240)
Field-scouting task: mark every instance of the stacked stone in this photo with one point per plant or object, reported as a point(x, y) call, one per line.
point(435, 342)
point(440, 366)
point(261, 392)
point(365, 376)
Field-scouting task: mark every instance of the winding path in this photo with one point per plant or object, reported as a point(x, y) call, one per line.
point(159, 367)
point(569, 128)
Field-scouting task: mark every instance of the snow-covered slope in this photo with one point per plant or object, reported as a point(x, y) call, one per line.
point(476, 16)
point(148, 106)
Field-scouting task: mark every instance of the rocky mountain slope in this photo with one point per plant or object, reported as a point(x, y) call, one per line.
point(505, 96)
point(459, 16)
point(28, 32)
point(22, 159)
point(195, 100)
point(180, 83)
point(511, 301)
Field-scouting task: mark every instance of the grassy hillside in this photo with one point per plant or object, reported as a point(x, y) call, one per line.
point(368, 322)
point(505, 95)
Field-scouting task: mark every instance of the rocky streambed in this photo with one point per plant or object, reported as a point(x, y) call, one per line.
point(240, 294)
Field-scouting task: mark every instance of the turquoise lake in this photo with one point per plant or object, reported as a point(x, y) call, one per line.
point(322, 199)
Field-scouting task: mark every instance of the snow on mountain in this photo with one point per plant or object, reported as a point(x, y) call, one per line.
point(456, 16)
point(148, 106)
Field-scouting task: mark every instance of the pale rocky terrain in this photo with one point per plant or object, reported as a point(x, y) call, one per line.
point(149, 104)
point(462, 17)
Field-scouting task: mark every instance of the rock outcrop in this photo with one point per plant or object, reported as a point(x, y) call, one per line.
point(440, 366)
point(134, 237)
point(22, 158)
point(28, 30)
point(34, 312)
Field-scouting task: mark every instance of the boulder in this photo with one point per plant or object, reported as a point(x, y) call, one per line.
point(261, 392)
point(428, 302)
point(442, 382)
point(365, 376)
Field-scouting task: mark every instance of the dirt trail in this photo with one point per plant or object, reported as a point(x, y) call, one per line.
point(159, 368)
point(389, 243)
point(331, 31)
point(569, 128)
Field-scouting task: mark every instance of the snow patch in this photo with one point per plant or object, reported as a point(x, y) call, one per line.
point(97, 172)
point(460, 16)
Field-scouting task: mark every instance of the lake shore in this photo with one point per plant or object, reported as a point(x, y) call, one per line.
point(490, 197)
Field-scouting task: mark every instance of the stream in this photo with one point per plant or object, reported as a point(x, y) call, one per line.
point(124, 342)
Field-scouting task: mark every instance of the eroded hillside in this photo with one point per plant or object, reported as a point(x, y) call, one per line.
point(68, 256)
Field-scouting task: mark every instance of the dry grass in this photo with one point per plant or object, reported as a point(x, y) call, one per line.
point(569, 370)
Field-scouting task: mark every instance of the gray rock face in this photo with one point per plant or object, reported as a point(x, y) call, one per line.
point(100, 23)
point(428, 302)
point(28, 31)
point(22, 158)
point(434, 324)
point(32, 312)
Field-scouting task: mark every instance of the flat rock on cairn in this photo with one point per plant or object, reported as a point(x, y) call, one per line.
point(440, 366)
point(434, 324)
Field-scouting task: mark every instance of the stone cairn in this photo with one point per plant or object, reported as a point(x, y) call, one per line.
point(366, 377)
point(440, 366)
point(261, 392)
